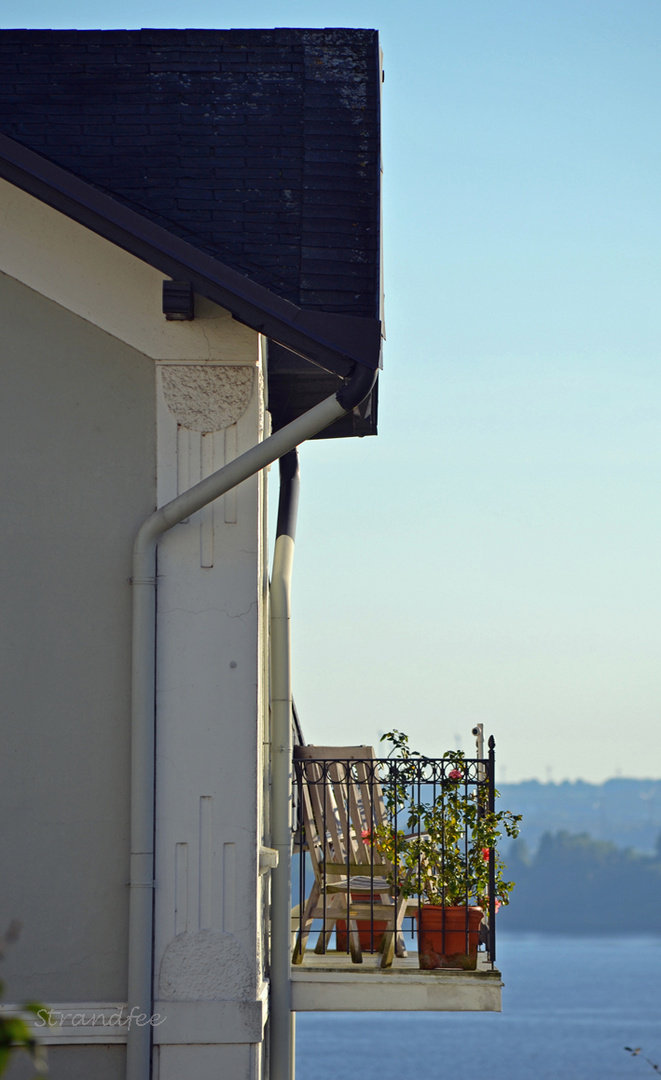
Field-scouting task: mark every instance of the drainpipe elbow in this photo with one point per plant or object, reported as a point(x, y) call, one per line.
point(149, 534)
point(357, 387)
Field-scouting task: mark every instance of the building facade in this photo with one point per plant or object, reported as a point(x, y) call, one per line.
point(241, 169)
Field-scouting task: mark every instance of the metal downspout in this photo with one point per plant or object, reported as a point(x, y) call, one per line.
point(143, 685)
point(281, 1017)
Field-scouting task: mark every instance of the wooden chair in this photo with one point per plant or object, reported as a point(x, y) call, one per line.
point(341, 803)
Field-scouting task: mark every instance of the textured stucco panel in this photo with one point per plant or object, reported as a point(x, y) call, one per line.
point(207, 398)
point(207, 965)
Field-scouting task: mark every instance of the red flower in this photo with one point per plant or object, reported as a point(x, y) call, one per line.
point(485, 853)
point(455, 774)
point(367, 835)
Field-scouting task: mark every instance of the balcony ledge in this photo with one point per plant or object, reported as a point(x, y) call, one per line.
point(331, 983)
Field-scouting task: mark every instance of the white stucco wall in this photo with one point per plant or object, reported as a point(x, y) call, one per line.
point(109, 408)
point(78, 442)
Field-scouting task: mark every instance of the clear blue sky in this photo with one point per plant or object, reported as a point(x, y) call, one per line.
point(494, 554)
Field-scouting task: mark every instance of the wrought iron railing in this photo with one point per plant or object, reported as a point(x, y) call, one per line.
point(380, 841)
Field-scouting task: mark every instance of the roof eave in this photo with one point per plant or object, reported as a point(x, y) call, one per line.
point(334, 342)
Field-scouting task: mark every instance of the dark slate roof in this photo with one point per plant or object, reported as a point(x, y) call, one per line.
point(259, 147)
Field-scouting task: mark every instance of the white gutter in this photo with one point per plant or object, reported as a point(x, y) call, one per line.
point(143, 659)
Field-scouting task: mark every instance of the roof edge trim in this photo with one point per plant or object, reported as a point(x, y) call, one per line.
point(334, 342)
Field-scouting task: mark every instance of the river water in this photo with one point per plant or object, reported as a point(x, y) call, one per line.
point(570, 1006)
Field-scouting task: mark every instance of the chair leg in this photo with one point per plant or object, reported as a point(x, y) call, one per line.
point(332, 914)
point(391, 936)
point(341, 911)
point(388, 949)
point(324, 937)
point(301, 942)
point(385, 898)
point(354, 942)
point(386, 938)
point(306, 923)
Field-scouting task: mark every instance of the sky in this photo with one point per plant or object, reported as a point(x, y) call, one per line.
point(493, 555)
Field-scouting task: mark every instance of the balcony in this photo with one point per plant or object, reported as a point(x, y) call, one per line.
point(378, 843)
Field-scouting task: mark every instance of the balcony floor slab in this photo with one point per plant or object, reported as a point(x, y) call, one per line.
point(331, 983)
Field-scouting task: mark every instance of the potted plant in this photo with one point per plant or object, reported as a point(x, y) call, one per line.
point(447, 857)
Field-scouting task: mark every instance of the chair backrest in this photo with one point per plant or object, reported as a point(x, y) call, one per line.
point(341, 806)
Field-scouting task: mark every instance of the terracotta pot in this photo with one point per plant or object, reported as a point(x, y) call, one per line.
point(364, 928)
point(448, 937)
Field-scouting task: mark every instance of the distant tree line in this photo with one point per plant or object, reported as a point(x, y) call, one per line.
point(622, 809)
point(576, 884)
